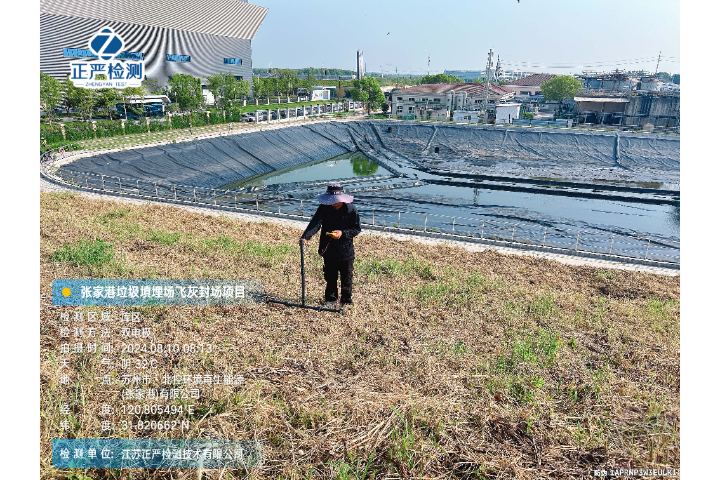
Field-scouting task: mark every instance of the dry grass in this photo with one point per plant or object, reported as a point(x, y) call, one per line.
point(451, 364)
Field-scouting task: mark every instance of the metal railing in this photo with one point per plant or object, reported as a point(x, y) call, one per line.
point(572, 241)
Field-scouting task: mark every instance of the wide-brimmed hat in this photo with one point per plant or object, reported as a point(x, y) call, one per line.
point(334, 194)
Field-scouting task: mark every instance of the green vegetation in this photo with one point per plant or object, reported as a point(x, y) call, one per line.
point(227, 89)
point(368, 91)
point(164, 238)
point(561, 87)
point(374, 267)
point(85, 253)
point(186, 91)
point(440, 78)
point(51, 95)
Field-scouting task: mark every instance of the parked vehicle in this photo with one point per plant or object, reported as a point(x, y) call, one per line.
point(137, 111)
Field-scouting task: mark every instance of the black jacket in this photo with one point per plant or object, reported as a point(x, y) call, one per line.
point(346, 219)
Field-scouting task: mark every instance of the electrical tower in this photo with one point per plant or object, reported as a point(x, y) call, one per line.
point(487, 86)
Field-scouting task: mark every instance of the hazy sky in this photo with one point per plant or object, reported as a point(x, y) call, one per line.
point(554, 36)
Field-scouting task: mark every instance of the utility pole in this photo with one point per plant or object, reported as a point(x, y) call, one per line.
point(658, 63)
point(428, 64)
point(487, 85)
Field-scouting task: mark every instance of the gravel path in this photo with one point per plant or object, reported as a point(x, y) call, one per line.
point(566, 259)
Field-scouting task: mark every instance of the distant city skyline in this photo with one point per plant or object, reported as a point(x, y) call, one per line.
point(553, 36)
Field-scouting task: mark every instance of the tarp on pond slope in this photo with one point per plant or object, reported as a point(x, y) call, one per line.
point(523, 152)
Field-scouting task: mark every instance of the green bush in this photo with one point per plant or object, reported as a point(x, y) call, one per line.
point(77, 131)
point(180, 121)
point(159, 125)
point(109, 128)
point(135, 127)
point(199, 119)
point(234, 116)
point(216, 118)
point(528, 115)
point(52, 134)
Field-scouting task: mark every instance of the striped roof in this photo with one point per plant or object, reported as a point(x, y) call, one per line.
point(228, 18)
point(532, 80)
point(470, 88)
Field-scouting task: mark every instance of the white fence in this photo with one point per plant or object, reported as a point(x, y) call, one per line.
point(569, 240)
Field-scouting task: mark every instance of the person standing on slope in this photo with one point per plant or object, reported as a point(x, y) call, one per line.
point(338, 221)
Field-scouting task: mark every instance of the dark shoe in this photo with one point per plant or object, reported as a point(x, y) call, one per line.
point(346, 302)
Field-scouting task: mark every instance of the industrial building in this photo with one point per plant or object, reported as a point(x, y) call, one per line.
point(195, 37)
point(472, 75)
point(439, 100)
point(654, 109)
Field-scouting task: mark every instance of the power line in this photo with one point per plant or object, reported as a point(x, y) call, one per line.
point(597, 64)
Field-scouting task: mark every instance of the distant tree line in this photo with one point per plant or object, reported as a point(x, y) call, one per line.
point(184, 91)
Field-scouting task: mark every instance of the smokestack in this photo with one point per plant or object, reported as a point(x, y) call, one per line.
point(360, 67)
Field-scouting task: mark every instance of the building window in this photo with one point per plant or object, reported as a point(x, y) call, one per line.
point(232, 61)
point(423, 99)
point(84, 53)
point(399, 109)
point(411, 99)
point(399, 98)
point(410, 109)
point(130, 56)
point(238, 77)
point(177, 58)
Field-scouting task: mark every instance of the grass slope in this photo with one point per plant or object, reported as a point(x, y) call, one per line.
point(451, 363)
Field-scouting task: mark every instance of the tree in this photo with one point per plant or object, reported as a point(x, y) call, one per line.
point(154, 87)
point(561, 87)
point(340, 92)
point(226, 88)
point(82, 99)
point(107, 99)
point(135, 92)
point(385, 107)
point(676, 79)
point(664, 77)
point(256, 86)
point(88, 101)
point(51, 95)
point(368, 91)
point(440, 78)
point(186, 91)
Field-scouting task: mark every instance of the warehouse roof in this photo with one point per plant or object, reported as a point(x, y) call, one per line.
point(228, 18)
point(602, 99)
point(532, 80)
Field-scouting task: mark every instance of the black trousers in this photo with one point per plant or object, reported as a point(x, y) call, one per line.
point(330, 271)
